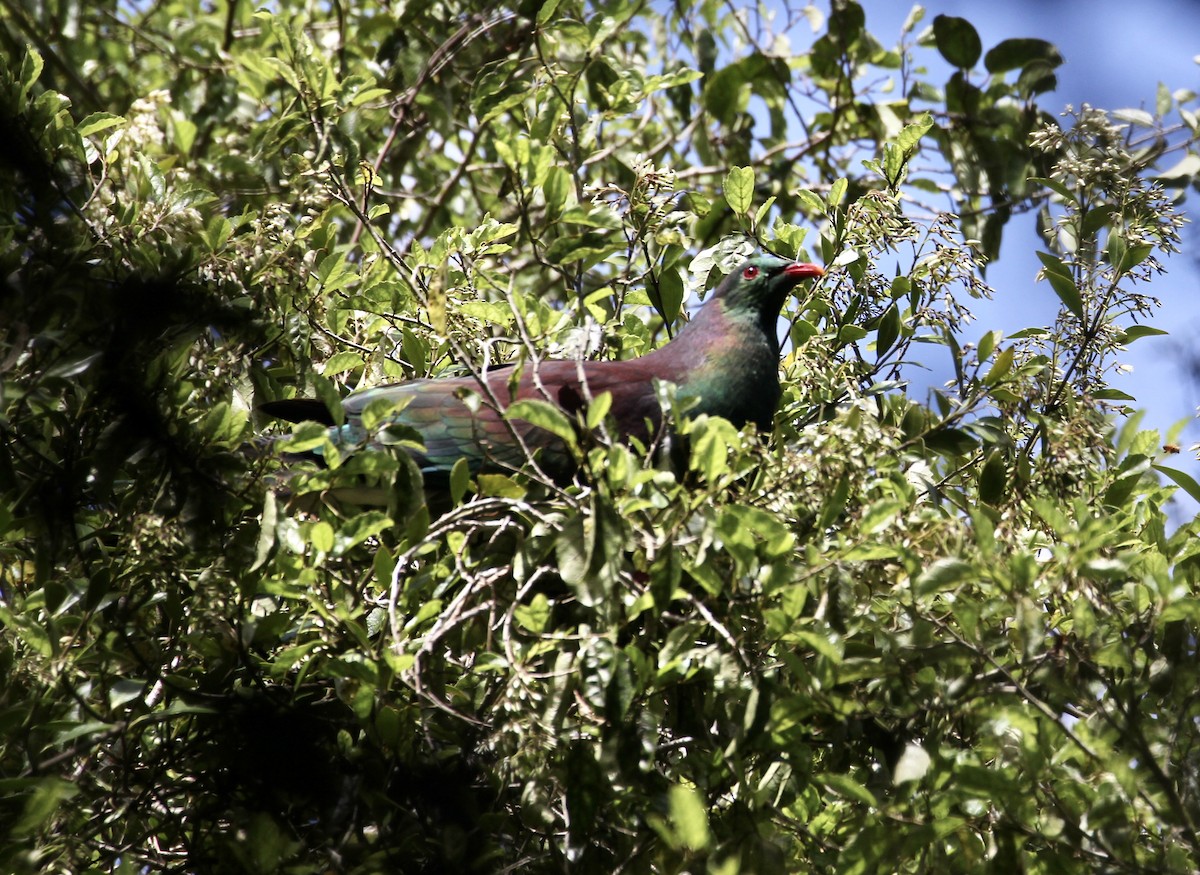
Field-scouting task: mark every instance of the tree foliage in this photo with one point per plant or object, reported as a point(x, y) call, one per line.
point(944, 629)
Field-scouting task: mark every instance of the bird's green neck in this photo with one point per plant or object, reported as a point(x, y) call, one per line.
point(728, 358)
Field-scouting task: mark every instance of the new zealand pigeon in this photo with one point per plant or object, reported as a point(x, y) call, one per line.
point(726, 359)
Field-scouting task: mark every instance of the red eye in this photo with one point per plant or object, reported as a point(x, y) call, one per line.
point(750, 273)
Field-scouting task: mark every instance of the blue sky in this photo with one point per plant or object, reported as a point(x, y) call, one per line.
point(1115, 55)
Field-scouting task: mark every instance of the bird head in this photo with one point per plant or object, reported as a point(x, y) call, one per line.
point(761, 284)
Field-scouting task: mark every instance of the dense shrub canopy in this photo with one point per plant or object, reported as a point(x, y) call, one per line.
point(910, 629)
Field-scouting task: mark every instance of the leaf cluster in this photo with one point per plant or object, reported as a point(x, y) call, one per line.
point(945, 629)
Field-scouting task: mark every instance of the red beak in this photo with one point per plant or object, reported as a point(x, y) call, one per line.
point(804, 270)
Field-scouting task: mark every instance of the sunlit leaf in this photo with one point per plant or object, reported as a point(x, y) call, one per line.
point(957, 40)
point(1063, 283)
point(1012, 54)
point(739, 188)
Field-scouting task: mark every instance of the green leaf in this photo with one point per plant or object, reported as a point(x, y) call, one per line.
point(266, 531)
point(217, 231)
point(889, 331)
point(305, 437)
point(497, 98)
point(358, 529)
point(850, 334)
point(682, 76)
point(1137, 117)
point(267, 845)
point(762, 211)
point(1063, 283)
point(723, 92)
point(1012, 54)
point(340, 362)
point(366, 95)
point(321, 536)
point(739, 189)
point(587, 249)
point(1132, 470)
point(879, 516)
point(667, 293)
point(31, 70)
point(335, 272)
point(826, 644)
point(1183, 480)
point(987, 344)
point(710, 441)
point(993, 479)
point(557, 187)
point(847, 787)
point(1116, 250)
point(1001, 367)
point(1163, 101)
point(382, 412)
point(957, 40)
point(47, 795)
point(223, 425)
point(598, 409)
point(499, 486)
point(901, 286)
point(416, 350)
point(697, 203)
point(813, 201)
point(834, 504)
point(1129, 431)
point(1036, 78)
point(913, 764)
point(689, 818)
point(912, 133)
point(1124, 257)
point(1097, 218)
point(98, 121)
point(1137, 332)
point(535, 616)
point(837, 191)
point(1183, 171)
point(1057, 187)
point(588, 551)
point(942, 575)
point(1181, 609)
point(952, 441)
point(73, 367)
point(544, 415)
